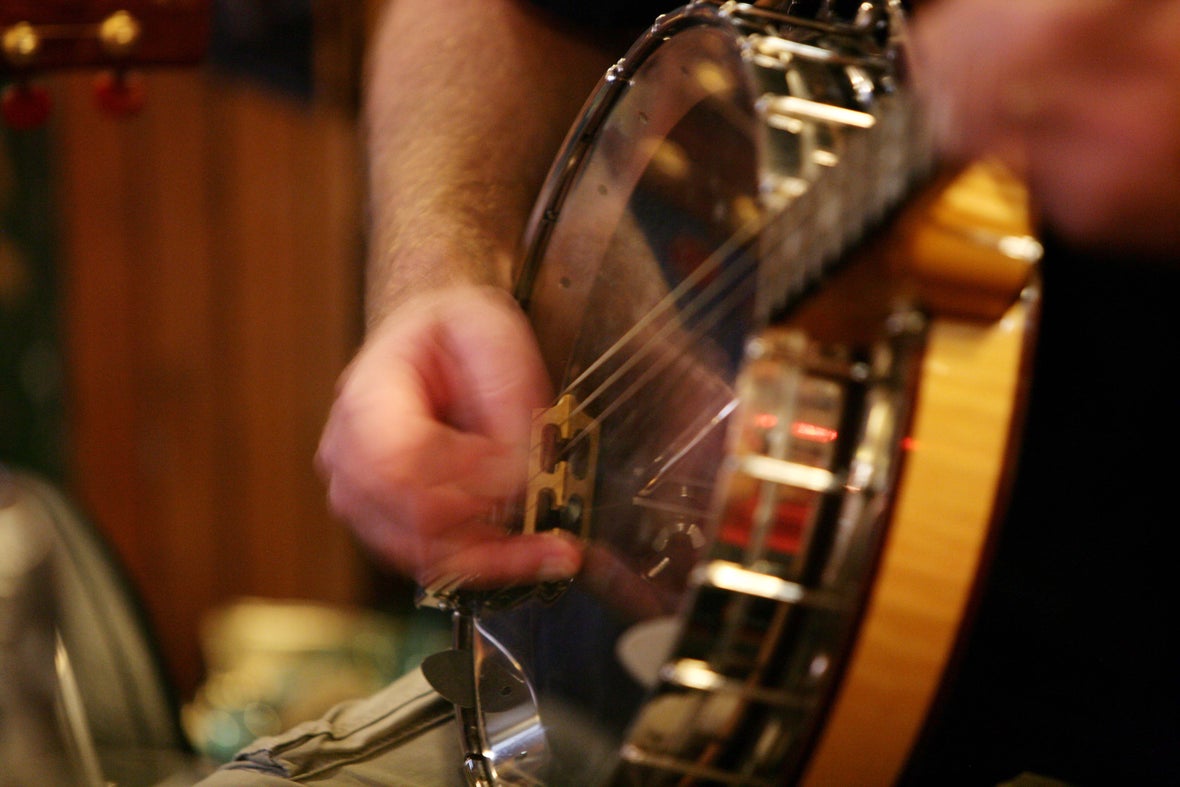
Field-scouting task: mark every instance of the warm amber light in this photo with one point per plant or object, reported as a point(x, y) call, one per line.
point(813, 432)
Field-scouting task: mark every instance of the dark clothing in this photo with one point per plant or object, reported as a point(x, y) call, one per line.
point(607, 14)
point(1071, 671)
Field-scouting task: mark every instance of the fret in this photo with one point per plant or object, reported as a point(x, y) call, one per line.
point(790, 474)
point(816, 111)
point(783, 50)
point(700, 676)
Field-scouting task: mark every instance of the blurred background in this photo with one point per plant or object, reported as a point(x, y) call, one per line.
point(179, 289)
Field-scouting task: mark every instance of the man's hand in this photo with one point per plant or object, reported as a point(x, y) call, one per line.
point(1080, 95)
point(430, 431)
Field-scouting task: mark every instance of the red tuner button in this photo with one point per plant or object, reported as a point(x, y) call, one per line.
point(119, 93)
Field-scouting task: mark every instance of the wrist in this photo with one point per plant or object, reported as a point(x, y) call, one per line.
point(427, 268)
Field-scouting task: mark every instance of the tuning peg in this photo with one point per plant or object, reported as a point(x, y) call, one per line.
point(119, 93)
point(20, 44)
point(25, 106)
point(119, 34)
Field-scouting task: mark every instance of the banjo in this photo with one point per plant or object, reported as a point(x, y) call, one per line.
point(789, 353)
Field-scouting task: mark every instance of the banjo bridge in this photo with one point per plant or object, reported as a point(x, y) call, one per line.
point(562, 465)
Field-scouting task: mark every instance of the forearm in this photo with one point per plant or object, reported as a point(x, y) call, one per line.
point(466, 108)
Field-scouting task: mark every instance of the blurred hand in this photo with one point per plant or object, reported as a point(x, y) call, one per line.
point(1079, 95)
point(430, 430)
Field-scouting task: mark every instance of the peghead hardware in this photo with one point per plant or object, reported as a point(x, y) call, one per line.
point(32, 45)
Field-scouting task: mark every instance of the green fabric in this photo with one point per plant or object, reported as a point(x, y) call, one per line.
point(31, 396)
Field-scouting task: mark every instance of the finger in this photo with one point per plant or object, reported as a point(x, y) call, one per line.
point(507, 561)
point(496, 375)
point(413, 531)
point(383, 436)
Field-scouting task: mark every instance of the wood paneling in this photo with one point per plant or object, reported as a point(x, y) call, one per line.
point(210, 270)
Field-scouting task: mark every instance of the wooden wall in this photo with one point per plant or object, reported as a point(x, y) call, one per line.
point(210, 257)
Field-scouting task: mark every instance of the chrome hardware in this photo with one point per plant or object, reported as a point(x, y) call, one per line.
point(561, 470)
